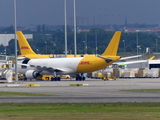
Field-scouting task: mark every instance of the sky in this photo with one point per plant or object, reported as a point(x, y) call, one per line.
point(88, 12)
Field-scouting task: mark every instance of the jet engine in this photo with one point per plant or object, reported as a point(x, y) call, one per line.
point(30, 74)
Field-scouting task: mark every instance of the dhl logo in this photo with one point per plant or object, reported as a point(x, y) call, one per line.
point(85, 63)
point(24, 47)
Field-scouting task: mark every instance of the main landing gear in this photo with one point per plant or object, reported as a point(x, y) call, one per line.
point(55, 77)
point(80, 77)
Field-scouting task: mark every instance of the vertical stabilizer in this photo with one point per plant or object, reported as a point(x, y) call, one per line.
point(151, 58)
point(113, 45)
point(25, 48)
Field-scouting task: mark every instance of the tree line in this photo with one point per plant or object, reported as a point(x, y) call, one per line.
point(46, 41)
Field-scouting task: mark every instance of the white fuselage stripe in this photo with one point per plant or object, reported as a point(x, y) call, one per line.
point(54, 63)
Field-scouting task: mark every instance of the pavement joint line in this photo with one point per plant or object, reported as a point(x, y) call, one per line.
point(97, 93)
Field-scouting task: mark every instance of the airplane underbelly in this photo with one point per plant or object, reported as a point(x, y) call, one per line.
point(45, 72)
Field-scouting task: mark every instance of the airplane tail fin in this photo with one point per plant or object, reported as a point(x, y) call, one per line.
point(151, 58)
point(25, 48)
point(112, 48)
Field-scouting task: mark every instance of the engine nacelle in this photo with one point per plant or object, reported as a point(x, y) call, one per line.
point(30, 74)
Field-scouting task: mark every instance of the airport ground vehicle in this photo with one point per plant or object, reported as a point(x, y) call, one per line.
point(109, 78)
point(44, 77)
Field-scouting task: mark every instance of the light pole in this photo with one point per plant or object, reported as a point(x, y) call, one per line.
point(124, 47)
point(15, 37)
point(37, 51)
point(139, 49)
point(84, 47)
point(96, 41)
point(85, 42)
point(137, 41)
point(65, 21)
point(5, 44)
point(156, 47)
point(75, 35)
point(46, 46)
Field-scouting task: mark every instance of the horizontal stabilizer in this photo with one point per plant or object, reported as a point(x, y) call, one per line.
point(107, 59)
point(129, 57)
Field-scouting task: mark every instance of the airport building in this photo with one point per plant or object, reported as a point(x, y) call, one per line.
point(5, 38)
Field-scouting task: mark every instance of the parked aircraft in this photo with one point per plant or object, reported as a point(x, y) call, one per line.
point(131, 64)
point(32, 68)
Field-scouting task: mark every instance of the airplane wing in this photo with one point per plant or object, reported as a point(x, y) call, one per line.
point(48, 68)
point(51, 69)
point(129, 57)
point(3, 61)
point(44, 69)
point(130, 62)
point(23, 58)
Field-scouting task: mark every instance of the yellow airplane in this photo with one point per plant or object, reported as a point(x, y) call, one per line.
point(32, 68)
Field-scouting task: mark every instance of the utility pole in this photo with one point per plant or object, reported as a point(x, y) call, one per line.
point(75, 38)
point(65, 22)
point(15, 37)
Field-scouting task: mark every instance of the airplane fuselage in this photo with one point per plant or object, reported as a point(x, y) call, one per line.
point(68, 65)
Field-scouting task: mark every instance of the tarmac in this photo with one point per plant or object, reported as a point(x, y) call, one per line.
point(94, 90)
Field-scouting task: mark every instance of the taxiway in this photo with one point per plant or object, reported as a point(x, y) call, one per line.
point(96, 90)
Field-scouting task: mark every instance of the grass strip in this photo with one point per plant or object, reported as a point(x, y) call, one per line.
point(144, 90)
point(21, 94)
point(86, 111)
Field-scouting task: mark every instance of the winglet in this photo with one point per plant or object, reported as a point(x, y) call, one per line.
point(113, 45)
point(25, 48)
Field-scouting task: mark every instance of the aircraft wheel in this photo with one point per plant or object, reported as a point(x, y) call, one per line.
point(58, 78)
point(76, 78)
point(52, 79)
